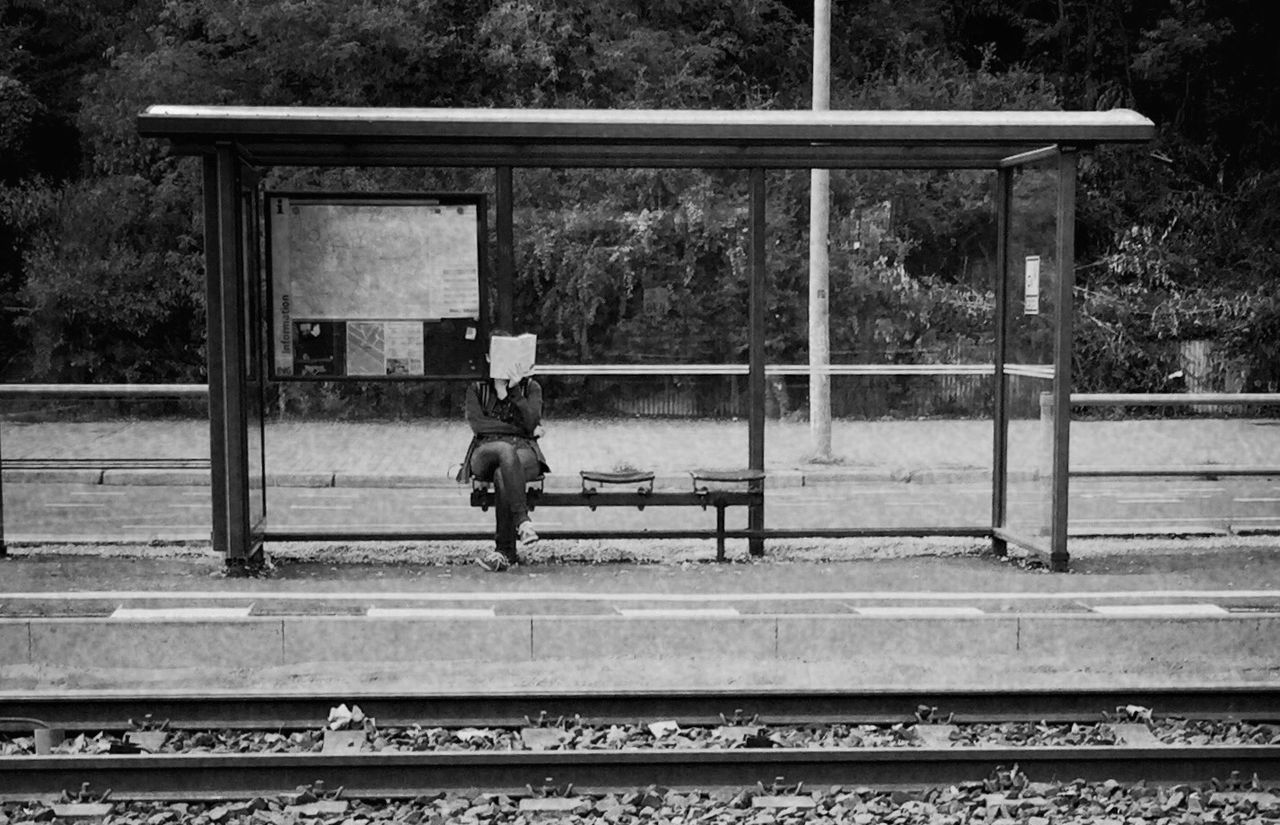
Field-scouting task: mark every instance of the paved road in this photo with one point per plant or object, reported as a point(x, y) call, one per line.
point(1098, 506)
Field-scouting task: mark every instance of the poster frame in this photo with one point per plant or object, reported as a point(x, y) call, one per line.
point(424, 198)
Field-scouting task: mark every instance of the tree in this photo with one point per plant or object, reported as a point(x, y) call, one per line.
point(109, 295)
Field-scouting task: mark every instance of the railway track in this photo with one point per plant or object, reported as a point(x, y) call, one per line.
point(931, 761)
point(98, 710)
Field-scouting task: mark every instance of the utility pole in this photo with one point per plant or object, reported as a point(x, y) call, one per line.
point(819, 222)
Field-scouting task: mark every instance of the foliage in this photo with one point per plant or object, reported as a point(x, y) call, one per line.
point(101, 267)
point(106, 288)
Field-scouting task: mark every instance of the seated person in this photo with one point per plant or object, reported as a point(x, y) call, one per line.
point(505, 414)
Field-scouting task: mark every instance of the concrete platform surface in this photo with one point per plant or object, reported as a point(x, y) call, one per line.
point(1129, 614)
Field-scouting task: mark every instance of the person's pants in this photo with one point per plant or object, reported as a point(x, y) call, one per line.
point(509, 467)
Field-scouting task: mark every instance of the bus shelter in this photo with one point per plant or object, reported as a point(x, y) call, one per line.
point(1034, 156)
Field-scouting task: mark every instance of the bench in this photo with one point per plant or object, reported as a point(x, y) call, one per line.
point(720, 489)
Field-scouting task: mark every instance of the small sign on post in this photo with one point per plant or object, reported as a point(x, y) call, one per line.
point(1031, 287)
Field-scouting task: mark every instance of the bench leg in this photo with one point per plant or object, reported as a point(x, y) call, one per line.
point(720, 532)
point(755, 521)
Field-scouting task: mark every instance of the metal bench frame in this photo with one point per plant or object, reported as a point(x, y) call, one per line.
point(641, 496)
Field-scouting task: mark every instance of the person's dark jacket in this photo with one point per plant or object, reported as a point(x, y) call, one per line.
point(513, 419)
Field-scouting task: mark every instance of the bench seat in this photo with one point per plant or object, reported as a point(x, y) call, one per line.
point(643, 495)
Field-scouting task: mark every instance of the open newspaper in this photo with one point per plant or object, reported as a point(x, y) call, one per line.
point(512, 352)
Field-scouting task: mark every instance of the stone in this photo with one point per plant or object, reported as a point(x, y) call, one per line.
point(736, 733)
point(344, 741)
point(81, 810)
point(540, 739)
point(321, 807)
point(550, 804)
point(148, 740)
point(788, 801)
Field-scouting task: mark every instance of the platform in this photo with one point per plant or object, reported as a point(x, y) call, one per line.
point(1150, 613)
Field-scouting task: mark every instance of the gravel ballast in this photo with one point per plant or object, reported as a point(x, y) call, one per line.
point(1007, 798)
point(664, 735)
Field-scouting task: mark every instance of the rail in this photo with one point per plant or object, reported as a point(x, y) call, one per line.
point(931, 761)
point(405, 775)
point(105, 710)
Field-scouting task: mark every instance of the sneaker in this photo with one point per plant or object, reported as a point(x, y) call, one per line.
point(493, 561)
point(527, 535)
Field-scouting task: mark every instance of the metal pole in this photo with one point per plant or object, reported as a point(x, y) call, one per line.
point(1058, 556)
point(755, 376)
point(819, 260)
point(506, 266)
point(1000, 383)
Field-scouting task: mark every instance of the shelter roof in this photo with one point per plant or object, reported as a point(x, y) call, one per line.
point(326, 136)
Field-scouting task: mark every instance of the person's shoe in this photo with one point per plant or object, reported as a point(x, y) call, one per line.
point(494, 562)
point(527, 535)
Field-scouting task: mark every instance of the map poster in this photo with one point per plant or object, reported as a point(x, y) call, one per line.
point(364, 285)
point(366, 348)
point(382, 348)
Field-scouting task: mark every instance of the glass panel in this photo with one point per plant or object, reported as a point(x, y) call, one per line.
point(631, 269)
point(912, 263)
point(911, 451)
point(251, 303)
point(636, 281)
point(1032, 289)
point(355, 455)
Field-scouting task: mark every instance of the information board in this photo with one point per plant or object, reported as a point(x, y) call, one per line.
point(376, 286)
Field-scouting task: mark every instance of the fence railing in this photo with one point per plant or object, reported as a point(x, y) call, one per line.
point(1214, 400)
point(1172, 399)
point(694, 390)
point(40, 392)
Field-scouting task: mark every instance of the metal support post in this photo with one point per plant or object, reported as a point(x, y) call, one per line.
point(1000, 384)
point(214, 358)
point(505, 264)
point(720, 508)
point(227, 378)
point(1067, 163)
point(755, 376)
